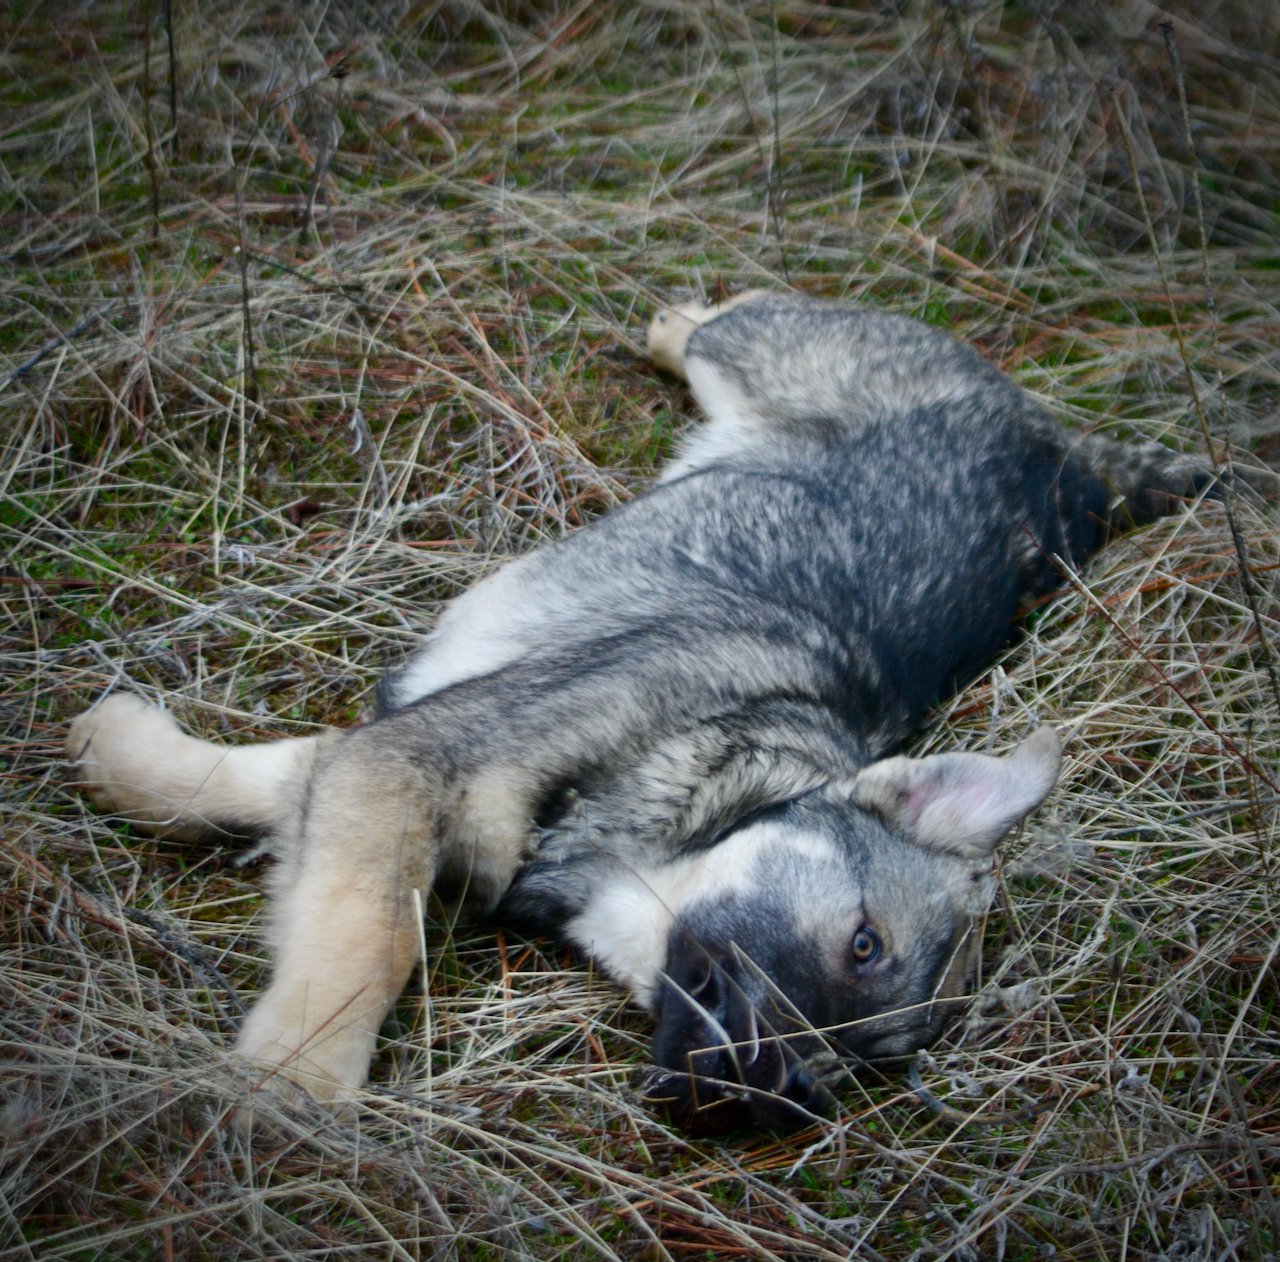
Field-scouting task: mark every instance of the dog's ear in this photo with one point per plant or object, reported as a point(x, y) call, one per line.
point(961, 804)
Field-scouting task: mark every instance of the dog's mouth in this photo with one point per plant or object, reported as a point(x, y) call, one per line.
point(726, 1060)
point(732, 1051)
point(719, 1092)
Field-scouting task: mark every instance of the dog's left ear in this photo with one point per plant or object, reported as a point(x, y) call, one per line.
point(961, 804)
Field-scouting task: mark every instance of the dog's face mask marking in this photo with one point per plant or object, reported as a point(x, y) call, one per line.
point(838, 928)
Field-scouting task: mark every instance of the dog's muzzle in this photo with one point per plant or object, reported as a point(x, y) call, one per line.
point(732, 1053)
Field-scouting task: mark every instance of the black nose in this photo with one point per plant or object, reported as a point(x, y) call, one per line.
point(731, 1052)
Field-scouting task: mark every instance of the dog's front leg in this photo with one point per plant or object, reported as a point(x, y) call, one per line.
point(135, 761)
point(346, 952)
point(343, 919)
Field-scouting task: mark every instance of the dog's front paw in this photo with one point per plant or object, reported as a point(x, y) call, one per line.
point(118, 747)
point(270, 1105)
point(289, 1043)
point(290, 1074)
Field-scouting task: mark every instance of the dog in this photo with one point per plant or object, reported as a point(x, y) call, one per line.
point(671, 739)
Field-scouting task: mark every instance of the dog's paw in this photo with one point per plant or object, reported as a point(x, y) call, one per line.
point(272, 1107)
point(289, 1045)
point(288, 1074)
point(118, 747)
point(670, 329)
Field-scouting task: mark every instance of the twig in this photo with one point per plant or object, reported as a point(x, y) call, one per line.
point(58, 339)
point(250, 382)
point(1230, 501)
point(173, 76)
point(149, 158)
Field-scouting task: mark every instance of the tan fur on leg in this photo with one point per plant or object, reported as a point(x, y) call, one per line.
point(346, 952)
point(670, 330)
point(344, 924)
point(136, 762)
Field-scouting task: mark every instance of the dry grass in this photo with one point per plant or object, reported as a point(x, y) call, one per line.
point(282, 368)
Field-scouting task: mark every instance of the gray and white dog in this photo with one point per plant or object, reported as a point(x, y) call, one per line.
point(670, 739)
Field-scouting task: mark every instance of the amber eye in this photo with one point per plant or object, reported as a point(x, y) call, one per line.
point(866, 946)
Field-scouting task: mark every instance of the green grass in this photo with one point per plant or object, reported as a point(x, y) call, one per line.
point(503, 192)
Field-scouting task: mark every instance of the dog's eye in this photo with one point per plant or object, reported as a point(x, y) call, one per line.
point(866, 946)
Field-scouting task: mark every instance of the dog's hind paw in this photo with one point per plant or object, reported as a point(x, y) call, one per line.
point(670, 329)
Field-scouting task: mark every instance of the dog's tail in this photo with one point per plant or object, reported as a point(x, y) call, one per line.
point(1148, 480)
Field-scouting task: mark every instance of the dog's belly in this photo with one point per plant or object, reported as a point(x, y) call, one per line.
point(898, 579)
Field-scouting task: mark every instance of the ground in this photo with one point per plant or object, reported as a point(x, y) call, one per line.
point(311, 314)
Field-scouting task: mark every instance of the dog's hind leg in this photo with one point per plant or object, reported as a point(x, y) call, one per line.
point(670, 329)
point(136, 762)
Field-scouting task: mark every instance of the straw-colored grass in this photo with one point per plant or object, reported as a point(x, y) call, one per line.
point(307, 328)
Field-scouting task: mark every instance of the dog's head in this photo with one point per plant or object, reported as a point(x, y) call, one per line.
point(840, 927)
